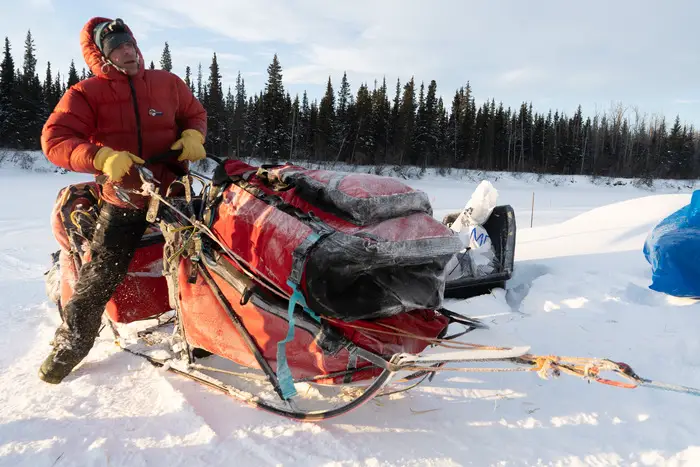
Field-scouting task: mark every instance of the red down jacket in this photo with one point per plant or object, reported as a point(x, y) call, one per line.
point(143, 114)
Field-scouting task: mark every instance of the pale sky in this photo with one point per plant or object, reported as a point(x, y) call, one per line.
point(556, 54)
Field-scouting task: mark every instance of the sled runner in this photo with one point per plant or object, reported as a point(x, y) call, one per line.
point(302, 292)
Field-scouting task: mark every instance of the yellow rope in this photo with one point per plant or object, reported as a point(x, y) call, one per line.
point(74, 215)
point(546, 367)
point(185, 243)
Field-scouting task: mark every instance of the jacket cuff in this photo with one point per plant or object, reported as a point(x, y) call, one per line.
point(84, 159)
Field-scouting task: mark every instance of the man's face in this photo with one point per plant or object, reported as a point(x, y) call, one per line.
point(126, 57)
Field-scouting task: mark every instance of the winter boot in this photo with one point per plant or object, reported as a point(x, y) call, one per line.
point(58, 365)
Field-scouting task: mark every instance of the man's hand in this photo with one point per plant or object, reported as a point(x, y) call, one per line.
point(192, 145)
point(115, 164)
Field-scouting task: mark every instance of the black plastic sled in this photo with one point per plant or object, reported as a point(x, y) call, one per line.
point(500, 226)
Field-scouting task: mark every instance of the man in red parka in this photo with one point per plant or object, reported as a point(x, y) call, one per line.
point(122, 116)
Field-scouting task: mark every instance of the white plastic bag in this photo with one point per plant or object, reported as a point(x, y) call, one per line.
point(469, 226)
point(479, 207)
point(481, 252)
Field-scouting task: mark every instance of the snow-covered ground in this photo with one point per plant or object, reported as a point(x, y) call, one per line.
point(579, 289)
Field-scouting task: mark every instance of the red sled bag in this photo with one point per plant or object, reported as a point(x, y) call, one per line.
point(144, 291)
point(319, 350)
point(356, 246)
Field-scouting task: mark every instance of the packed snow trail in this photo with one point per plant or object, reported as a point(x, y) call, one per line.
point(579, 289)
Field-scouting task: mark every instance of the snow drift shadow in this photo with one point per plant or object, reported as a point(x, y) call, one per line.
point(524, 275)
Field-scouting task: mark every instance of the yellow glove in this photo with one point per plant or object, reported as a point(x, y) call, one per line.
point(192, 145)
point(115, 164)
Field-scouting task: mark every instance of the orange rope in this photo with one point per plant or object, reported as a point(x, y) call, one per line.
point(546, 366)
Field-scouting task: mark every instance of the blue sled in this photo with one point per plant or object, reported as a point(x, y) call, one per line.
point(673, 250)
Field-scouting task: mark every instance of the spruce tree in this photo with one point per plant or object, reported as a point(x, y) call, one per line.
point(673, 161)
point(417, 140)
point(294, 133)
point(453, 133)
point(8, 114)
point(57, 89)
point(51, 97)
point(430, 137)
point(442, 119)
point(29, 101)
point(217, 141)
point(343, 123)
point(688, 154)
point(394, 125)
point(200, 91)
point(188, 78)
point(29, 66)
point(48, 83)
point(7, 71)
point(407, 123)
point(276, 113)
point(253, 127)
point(327, 146)
point(305, 141)
point(239, 116)
point(72, 75)
point(362, 147)
point(381, 114)
point(467, 130)
point(313, 133)
point(166, 61)
point(229, 110)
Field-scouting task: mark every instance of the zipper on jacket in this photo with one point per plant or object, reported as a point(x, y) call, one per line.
point(138, 117)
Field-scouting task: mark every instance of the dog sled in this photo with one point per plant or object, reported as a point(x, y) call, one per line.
point(305, 293)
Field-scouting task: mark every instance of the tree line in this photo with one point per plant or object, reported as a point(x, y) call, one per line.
point(405, 123)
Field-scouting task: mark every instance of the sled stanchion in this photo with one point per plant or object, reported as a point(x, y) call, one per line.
point(248, 339)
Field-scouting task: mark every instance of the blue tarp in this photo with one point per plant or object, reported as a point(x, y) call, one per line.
point(673, 250)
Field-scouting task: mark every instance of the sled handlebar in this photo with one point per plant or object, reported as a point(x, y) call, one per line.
point(168, 159)
point(171, 155)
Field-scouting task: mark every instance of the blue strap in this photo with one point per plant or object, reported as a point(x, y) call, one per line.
point(284, 374)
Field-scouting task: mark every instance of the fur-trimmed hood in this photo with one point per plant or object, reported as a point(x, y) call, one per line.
point(94, 58)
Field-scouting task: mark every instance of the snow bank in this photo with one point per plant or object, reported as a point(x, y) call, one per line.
point(34, 161)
